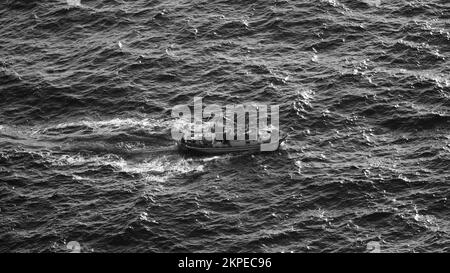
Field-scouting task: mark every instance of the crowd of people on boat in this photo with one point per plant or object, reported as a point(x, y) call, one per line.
point(207, 143)
point(210, 140)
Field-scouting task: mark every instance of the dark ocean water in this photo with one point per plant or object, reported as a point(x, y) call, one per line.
point(86, 153)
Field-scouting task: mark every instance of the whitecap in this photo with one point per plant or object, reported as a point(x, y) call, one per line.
point(74, 3)
point(373, 3)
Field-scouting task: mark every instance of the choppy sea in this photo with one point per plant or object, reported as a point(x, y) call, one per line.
point(86, 155)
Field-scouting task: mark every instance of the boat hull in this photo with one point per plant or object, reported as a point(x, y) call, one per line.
point(220, 150)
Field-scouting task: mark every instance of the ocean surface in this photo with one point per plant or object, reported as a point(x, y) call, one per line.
point(86, 154)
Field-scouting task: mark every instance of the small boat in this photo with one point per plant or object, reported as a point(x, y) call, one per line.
point(222, 147)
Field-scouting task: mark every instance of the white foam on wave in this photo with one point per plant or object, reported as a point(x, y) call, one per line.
point(306, 96)
point(154, 169)
point(334, 3)
point(161, 169)
point(74, 3)
point(78, 160)
point(373, 3)
point(441, 80)
point(114, 124)
point(159, 165)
